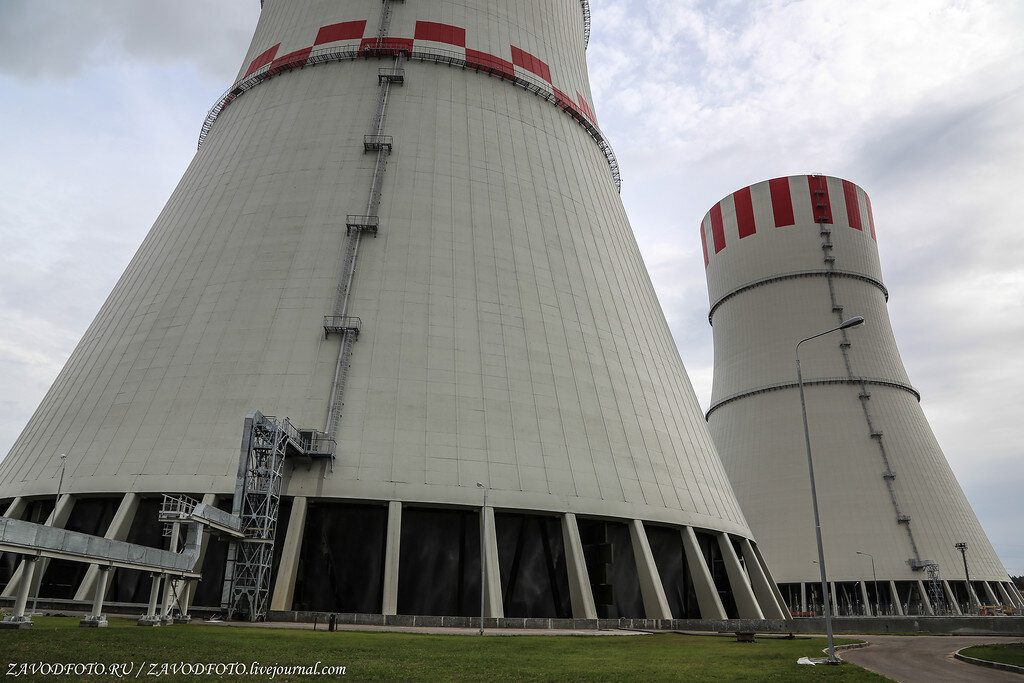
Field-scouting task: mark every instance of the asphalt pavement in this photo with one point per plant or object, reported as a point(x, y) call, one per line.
point(929, 659)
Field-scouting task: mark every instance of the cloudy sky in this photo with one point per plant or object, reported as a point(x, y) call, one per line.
point(919, 102)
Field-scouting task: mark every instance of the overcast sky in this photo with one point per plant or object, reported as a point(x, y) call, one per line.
point(921, 103)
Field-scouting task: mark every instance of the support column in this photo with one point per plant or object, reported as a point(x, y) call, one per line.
point(832, 595)
point(895, 598)
point(58, 518)
point(493, 606)
point(183, 602)
point(973, 596)
point(708, 600)
point(772, 605)
point(17, 508)
point(746, 603)
point(803, 597)
point(169, 583)
point(117, 530)
point(288, 569)
point(991, 594)
point(864, 597)
point(1007, 600)
point(1016, 591)
point(580, 593)
point(651, 588)
point(17, 619)
point(392, 549)
point(771, 581)
point(924, 598)
point(951, 597)
point(151, 618)
point(96, 618)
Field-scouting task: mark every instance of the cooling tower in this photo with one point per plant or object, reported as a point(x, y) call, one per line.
point(787, 259)
point(401, 237)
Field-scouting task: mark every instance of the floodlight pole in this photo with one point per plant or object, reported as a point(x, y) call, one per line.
point(874, 578)
point(852, 322)
point(39, 569)
point(483, 555)
point(962, 547)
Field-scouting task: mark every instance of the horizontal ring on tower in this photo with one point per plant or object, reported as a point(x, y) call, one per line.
point(542, 87)
point(874, 381)
point(793, 275)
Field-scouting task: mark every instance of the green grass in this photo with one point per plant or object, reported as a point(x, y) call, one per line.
point(386, 656)
point(1007, 653)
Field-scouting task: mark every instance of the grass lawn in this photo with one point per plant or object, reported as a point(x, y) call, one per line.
point(380, 656)
point(1006, 653)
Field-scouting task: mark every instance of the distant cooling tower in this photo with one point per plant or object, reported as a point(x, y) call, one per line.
point(402, 232)
point(786, 259)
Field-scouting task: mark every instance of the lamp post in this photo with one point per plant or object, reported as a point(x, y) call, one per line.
point(962, 547)
point(874, 578)
point(852, 322)
point(483, 554)
point(39, 569)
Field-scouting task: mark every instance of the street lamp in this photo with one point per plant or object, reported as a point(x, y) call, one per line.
point(483, 553)
point(962, 547)
point(852, 322)
point(874, 578)
point(39, 569)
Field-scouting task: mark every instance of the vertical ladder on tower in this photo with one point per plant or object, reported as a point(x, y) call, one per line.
point(368, 222)
point(935, 593)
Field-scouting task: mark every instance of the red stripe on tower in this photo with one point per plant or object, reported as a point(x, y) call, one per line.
point(524, 59)
point(820, 203)
point(871, 216)
point(717, 229)
point(292, 60)
point(440, 33)
point(782, 202)
point(744, 212)
point(852, 205)
point(704, 244)
point(346, 30)
point(265, 57)
point(483, 61)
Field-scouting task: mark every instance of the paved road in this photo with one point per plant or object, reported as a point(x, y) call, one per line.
point(909, 659)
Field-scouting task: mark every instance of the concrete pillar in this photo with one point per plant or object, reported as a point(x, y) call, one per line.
point(1005, 595)
point(183, 603)
point(803, 597)
point(990, 594)
point(580, 593)
point(742, 594)
point(951, 597)
point(16, 508)
point(975, 601)
point(772, 606)
point(896, 598)
point(928, 609)
point(651, 588)
point(864, 597)
point(96, 618)
point(288, 568)
point(151, 618)
point(708, 600)
point(771, 581)
point(832, 594)
point(58, 518)
point(1016, 592)
point(17, 619)
point(118, 530)
point(493, 605)
point(392, 550)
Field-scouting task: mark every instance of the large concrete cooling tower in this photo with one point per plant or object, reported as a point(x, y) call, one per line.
point(402, 233)
point(787, 259)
